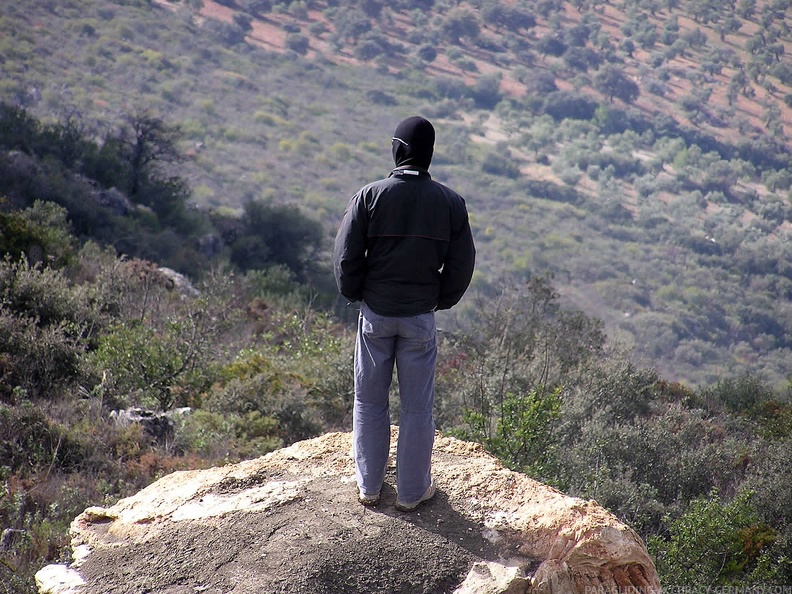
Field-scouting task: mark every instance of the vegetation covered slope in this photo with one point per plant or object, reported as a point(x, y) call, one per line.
point(651, 212)
point(701, 474)
point(635, 151)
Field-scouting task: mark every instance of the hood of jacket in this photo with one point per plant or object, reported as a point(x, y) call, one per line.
point(413, 143)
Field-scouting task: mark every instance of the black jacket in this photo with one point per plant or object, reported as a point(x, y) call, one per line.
point(404, 245)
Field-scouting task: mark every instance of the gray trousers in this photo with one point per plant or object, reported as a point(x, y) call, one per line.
point(410, 343)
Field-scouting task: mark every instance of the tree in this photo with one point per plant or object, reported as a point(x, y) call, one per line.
point(297, 42)
point(256, 7)
point(42, 232)
point(627, 46)
point(147, 142)
point(353, 27)
point(705, 11)
point(551, 45)
point(581, 58)
point(612, 82)
point(694, 103)
point(486, 92)
point(271, 235)
point(372, 8)
point(427, 53)
point(18, 130)
point(229, 34)
point(670, 31)
point(739, 83)
point(566, 104)
point(461, 24)
point(746, 9)
point(500, 162)
point(539, 82)
point(66, 140)
point(510, 18)
point(244, 21)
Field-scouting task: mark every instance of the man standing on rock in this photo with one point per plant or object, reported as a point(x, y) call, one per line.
point(404, 250)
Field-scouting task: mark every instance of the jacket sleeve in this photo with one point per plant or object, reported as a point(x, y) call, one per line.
point(349, 252)
point(460, 261)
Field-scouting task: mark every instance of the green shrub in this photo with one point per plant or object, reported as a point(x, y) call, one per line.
point(16, 237)
point(771, 482)
point(520, 352)
point(742, 395)
point(256, 434)
point(499, 161)
point(52, 234)
point(141, 365)
point(31, 443)
point(276, 235)
point(45, 327)
point(522, 433)
point(297, 42)
point(228, 436)
point(714, 543)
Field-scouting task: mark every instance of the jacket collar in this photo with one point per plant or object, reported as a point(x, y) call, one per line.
point(410, 171)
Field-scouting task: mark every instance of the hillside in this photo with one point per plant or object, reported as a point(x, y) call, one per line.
point(635, 152)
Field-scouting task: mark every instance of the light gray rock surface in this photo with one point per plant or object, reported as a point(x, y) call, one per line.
point(290, 522)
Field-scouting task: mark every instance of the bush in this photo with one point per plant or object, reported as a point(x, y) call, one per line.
point(522, 434)
point(31, 443)
point(141, 365)
point(229, 34)
point(771, 481)
point(742, 395)
point(18, 130)
point(45, 327)
point(612, 82)
point(499, 161)
point(713, 544)
point(297, 42)
point(486, 92)
point(16, 237)
point(224, 436)
point(427, 53)
point(561, 105)
point(522, 349)
point(276, 235)
point(52, 241)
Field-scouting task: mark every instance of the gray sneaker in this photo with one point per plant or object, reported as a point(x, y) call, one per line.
point(408, 507)
point(374, 499)
point(368, 500)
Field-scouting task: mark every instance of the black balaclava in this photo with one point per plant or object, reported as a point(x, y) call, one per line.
point(413, 143)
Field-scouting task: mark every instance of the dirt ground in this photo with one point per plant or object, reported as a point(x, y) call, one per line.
point(290, 522)
point(325, 542)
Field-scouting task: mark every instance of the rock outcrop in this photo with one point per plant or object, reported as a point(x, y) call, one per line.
point(289, 522)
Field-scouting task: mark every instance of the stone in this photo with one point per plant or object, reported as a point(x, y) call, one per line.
point(58, 579)
point(10, 538)
point(178, 281)
point(290, 522)
point(158, 424)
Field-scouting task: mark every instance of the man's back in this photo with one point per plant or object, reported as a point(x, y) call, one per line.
point(408, 223)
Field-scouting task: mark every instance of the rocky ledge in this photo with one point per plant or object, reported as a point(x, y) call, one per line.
point(290, 522)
